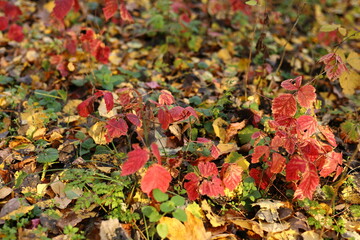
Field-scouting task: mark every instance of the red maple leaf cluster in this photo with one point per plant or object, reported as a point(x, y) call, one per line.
point(309, 147)
point(11, 14)
point(207, 180)
point(334, 66)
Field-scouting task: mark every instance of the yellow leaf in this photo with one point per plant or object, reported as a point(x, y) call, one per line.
point(215, 220)
point(282, 42)
point(49, 6)
point(220, 127)
point(20, 210)
point(70, 107)
point(310, 235)
point(97, 132)
point(114, 57)
point(71, 66)
point(195, 209)
point(177, 230)
point(195, 228)
point(349, 81)
point(224, 55)
point(226, 148)
point(354, 60)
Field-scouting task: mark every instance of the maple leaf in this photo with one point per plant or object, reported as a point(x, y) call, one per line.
point(288, 84)
point(259, 151)
point(306, 96)
point(166, 98)
point(62, 7)
point(156, 152)
point(332, 160)
point(306, 126)
point(310, 180)
point(86, 107)
point(277, 163)
point(136, 160)
point(124, 14)
point(110, 8)
point(109, 100)
point(16, 33)
point(212, 188)
point(294, 167)
point(4, 21)
point(156, 177)
point(192, 186)
point(116, 128)
point(284, 105)
point(231, 175)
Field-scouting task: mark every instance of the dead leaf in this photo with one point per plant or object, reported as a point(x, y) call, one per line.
point(98, 132)
point(214, 219)
point(4, 192)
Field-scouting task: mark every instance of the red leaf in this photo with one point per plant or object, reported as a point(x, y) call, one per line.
point(102, 53)
point(177, 113)
point(155, 177)
point(259, 151)
point(288, 84)
point(137, 159)
point(116, 128)
point(261, 179)
point(277, 163)
point(310, 149)
point(62, 7)
point(294, 167)
point(133, 119)
point(164, 118)
point(191, 112)
point(166, 98)
point(208, 169)
point(328, 134)
point(334, 65)
point(284, 105)
point(306, 126)
point(4, 21)
point(110, 8)
point(16, 33)
point(231, 175)
point(306, 96)
point(192, 186)
point(86, 107)
point(124, 14)
point(12, 11)
point(310, 180)
point(215, 152)
point(156, 152)
point(332, 160)
point(212, 188)
point(109, 101)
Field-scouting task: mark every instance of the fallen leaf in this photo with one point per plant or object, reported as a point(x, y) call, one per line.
point(98, 133)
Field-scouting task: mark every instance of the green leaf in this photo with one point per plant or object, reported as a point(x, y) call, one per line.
point(48, 155)
point(180, 215)
point(178, 201)
point(246, 133)
point(151, 213)
point(167, 207)
point(251, 2)
point(350, 130)
point(160, 196)
point(5, 80)
point(19, 178)
point(162, 230)
point(329, 27)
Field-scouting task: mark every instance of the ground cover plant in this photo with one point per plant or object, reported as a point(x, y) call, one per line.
point(124, 119)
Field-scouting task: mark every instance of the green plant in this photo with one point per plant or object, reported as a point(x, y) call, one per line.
point(73, 233)
point(167, 206)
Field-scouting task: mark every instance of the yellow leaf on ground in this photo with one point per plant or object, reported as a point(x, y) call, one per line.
point(354, 60)
point(224, 55)
point(97, 132)
point(220, 127)
point(349, 81)
point(215, 220)
point(192, 229)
